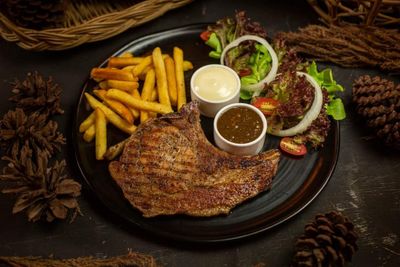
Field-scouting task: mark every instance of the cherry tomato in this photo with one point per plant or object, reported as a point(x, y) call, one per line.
point(288, 145)
point(205, 35)
point(266, 105)
point(244, 72)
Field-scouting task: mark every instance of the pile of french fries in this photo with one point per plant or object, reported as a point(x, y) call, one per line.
point(120, 99)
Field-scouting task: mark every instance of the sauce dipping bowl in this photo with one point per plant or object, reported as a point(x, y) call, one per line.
point(250, 148)
point(214, 86)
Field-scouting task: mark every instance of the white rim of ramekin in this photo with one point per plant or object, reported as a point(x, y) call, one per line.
point(260, 114)
point(215, 101)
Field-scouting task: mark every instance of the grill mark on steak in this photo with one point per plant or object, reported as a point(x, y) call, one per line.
point(169, 167)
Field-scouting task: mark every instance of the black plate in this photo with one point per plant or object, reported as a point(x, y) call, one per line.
point(296, 184)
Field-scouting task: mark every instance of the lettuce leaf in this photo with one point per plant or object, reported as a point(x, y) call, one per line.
point(245, 95)
point(335, 107)
point(214, 43)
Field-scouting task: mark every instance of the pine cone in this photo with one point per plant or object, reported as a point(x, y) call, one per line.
point(18, 129)
point(330, 240)
point(35, 14)
point(36, 93)
point(378, 102)
point(43, 190)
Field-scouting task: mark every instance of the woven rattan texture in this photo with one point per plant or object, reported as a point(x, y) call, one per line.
point(88, 21)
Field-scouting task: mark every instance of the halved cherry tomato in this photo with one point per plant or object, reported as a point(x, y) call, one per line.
point(244, 72)
point(289, 146)
point(266, 105)
point(205, 35)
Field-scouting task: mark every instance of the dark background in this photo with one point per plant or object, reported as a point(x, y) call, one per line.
point(365, 185)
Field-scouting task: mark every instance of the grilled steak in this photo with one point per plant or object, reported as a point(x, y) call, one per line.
point(169, 167)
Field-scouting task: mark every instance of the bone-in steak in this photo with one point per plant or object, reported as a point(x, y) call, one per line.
point(169, 167)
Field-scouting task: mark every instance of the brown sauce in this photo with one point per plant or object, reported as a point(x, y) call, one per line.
point(240, 125)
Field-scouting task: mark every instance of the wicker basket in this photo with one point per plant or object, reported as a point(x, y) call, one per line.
point(87, 21)
point(362, 12)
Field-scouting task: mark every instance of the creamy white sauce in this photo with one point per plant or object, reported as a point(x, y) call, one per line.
point(215, 83)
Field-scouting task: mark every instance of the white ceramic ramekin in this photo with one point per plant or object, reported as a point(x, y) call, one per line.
point(208, 107)
point(251, 148)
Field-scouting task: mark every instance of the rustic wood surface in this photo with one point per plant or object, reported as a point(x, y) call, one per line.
point(365, 185)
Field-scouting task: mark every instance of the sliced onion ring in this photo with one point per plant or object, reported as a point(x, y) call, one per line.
point(312, 113)
point(257, 87)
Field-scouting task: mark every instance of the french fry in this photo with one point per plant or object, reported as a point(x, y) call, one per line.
point(171, 80)
point(154, 95)
point(135, 93)
point(128, 68)
point(136, 113)
point(103, 85)
point(100, 94)
point(101, 134)
point(161, 75)
point(115, 150)
point(89, 121)
point(148, 88)
point(111, 74)
point(122, 85)
point(120, 62)
point(116, 106)
point(187, 65)
point(147, 61)
point(148, 85)
point(126, 54)
point(90, 133)
point(146, 115)
point(142, 76)
point(180, 78)
point(127, 61)
point(136, 103)
point(147, 69)
point(111, 115)
point(153, 98)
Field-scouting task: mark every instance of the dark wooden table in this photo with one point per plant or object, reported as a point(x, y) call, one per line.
point(365, 185)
